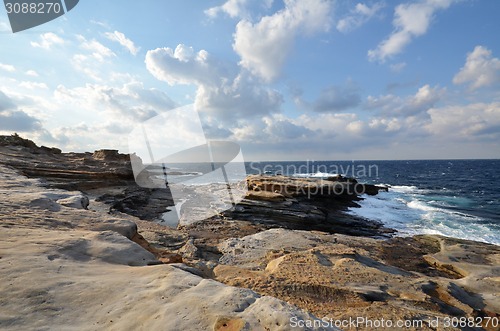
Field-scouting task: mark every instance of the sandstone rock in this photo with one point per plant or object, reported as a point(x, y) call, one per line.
point(60, 272)
point(83, 280)
point(339, 276)
point(110, 154)
point(265, 195)
point(78, 202)
point(72, 171)
point(189, 250)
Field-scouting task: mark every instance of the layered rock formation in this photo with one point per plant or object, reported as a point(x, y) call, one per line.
point(306, 204)
point(79, 249)
point(64, 267)
point(73, 171)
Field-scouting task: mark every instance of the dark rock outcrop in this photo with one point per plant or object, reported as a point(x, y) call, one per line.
point(72, 171)
point(306, 204)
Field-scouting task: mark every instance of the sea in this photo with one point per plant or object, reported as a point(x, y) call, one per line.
point(455, 198)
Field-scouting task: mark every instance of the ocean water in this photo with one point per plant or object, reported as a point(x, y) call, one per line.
point(456, 198)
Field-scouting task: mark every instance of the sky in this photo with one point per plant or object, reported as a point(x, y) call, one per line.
point(285, 79)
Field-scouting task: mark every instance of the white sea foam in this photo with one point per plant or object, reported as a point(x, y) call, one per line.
point(315, 175)
point(408, 210)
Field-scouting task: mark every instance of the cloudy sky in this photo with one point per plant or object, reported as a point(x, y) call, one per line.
point(286, 79)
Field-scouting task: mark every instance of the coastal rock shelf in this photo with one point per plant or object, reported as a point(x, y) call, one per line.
point(65, 267)
point(81, 248)
point(73, 171)
point(306, 204)
point(342, 276)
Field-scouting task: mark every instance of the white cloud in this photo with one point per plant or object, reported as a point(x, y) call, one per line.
point(469, 122)
point(32, 73)
point(13, 119)
point(97, 50)
point(481, 69)
point(281, 128)
point(183, 66)
point(358, 16)
point(237, 99)
point(48, 40)
point(33, 85)
point(337, 98)
point(222, 91)
point(398, 67)
point(124, 41)
point(4, 27)
point(5, 102)
point(85, 64)
point(410, 20)
point(424, 99)
point(236, 8)
point(127, 104)
point(233, 8)
point(264, 46)
point(95, 61)
point(7, 67)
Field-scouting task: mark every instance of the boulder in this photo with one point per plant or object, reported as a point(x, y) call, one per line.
point(80, 201)
point(110, 155)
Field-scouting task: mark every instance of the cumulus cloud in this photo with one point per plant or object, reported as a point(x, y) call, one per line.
point(123, 40)
point(129, 103)
point(7, 67)
point(47, 40)
point(184, 66)
point(90, 63)
point(281, 128)
point(424, 99)
point(481, 69)
point(85, 64)
point(4, 27)
point(33, 85)
point(97, 50)
point(18, 121)
point(469, 122)
point(222, 90)
point(13, 119)
point(233, 8)
point(32, 73)
point(264, 46)
point(358, 16)
point(337, 98)
point(5, 102)
point(236, 8)
point(410, 20)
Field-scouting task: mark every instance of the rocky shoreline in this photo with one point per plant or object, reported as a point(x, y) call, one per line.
point(82, 246)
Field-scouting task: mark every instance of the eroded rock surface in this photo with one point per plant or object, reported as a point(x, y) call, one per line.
point(65, 268)
point(338, 276)
point(72, 171)
point(79, 250)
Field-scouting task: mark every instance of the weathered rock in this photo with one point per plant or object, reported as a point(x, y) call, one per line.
point(265, 195)
point(67, 267)
point(338, 276)
point(110, 155)
point(85, 280)
point(77, 201)
point(72, 171)
point(62, 273)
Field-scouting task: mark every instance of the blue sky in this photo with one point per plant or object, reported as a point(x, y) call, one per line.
point(287, 80)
